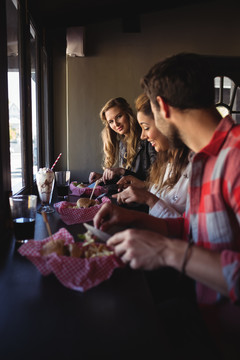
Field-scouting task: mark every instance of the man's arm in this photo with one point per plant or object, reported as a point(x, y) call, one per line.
point(110, 215)
point(202, 265)
point(147, 250)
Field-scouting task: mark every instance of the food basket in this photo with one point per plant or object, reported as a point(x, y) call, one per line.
point(71, 215)
point(78, 274)
point(78, 191)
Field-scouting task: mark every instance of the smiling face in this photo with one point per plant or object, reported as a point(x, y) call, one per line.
point(117, 120)
point(151, 133)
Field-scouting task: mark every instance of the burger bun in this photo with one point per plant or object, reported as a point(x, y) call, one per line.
point(86, 203)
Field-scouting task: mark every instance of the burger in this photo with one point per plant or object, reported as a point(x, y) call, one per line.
point(80, 185)
point(86, 203)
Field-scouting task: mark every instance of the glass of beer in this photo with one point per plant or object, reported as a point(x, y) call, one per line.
point(23, 211)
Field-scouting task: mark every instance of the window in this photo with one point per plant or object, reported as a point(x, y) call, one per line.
point(28, 84)
point(227, 97)
point(25, 127)
point(14, 99)
point(34, 97)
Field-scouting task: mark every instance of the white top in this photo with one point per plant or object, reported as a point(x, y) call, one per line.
point(172, 203)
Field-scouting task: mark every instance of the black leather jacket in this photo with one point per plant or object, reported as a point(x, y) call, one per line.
point(145, 156)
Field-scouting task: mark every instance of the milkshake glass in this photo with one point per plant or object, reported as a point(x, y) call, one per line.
point(45, 184)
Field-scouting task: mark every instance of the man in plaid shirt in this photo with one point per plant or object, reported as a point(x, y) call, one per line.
point(205, 243)
point(181, 91)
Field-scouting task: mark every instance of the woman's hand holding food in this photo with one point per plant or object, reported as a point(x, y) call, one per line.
point(129, 180)
point(110, 174)
point(140, 196)
point(94, 176)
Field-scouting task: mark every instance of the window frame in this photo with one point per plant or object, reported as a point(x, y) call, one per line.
point(44, 148)
point(5, 180)
point(45, 143)
point(225, 67)
point(221, 102)
point(25, 98)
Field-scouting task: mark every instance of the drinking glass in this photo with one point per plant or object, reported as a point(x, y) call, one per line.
point(62, 182)
point(23, 211)
point(45, 184)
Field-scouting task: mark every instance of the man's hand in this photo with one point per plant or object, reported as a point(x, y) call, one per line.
point(110, 214)
point(140, 249)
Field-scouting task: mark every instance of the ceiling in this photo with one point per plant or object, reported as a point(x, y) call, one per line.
point(64, 13)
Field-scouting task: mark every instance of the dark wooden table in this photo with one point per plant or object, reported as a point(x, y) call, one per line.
point(41, 319)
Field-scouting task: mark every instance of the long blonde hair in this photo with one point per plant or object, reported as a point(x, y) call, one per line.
point(177, 158)
point(111, 139)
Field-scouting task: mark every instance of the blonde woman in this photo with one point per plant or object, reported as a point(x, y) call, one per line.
point(124, 152)
point(165, 192)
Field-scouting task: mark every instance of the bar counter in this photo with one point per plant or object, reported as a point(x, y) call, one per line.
point(42, 319)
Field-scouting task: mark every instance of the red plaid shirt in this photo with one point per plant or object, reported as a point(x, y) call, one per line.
point(212, 215)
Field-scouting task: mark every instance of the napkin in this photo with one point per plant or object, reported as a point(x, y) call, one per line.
point(86, 190)
point(71, 216)
point(74, 273)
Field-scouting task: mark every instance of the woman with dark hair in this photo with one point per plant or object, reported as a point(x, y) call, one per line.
point(124, 152)
point(165, 190)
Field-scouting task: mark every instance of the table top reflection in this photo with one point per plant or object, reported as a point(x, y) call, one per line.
point(40, 318)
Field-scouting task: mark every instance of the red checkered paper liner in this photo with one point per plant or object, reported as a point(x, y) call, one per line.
point(74, 273)
point(85, 190)
point(70, 216)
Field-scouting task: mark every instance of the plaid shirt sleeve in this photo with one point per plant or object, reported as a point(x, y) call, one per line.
point(230, 262)
point(230, 258)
